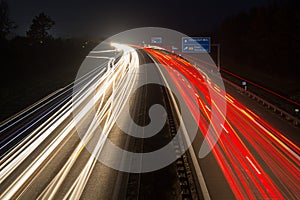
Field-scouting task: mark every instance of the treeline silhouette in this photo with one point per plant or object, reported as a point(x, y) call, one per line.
point(262, 45)
point(37, 64)
point(29, 71)
point(266, 39)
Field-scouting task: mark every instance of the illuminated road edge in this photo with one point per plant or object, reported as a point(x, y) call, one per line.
point(247, 177)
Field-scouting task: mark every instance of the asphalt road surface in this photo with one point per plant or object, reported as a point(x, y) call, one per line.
point(51, 150)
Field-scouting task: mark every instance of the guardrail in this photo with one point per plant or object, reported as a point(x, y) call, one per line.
point(282, 113)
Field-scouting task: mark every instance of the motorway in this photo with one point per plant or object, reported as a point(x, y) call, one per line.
point(257, 160)
point(50, 150)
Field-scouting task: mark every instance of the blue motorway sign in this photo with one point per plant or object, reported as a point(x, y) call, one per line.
point(156, 40)
point(196, 44)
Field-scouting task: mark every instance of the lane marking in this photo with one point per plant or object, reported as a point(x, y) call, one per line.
point(253, 165)
point(196, 164)
point(224, 128)
point(207, 108)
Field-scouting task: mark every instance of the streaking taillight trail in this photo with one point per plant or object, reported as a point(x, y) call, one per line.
point(258, 161)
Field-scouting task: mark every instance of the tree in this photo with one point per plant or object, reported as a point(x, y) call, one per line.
point(6, 25)
point(39, 28)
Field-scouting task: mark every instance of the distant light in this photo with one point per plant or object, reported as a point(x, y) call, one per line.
point(118, 47)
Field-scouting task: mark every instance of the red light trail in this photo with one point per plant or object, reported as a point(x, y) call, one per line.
point(258, 161)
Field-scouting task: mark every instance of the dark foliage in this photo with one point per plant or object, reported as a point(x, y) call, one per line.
point(265, 38)
point(39, 29)
point(6, 25)
point(29, 71)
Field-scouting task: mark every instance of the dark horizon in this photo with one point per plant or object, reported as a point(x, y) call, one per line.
point(150, 99)
point(95, 20)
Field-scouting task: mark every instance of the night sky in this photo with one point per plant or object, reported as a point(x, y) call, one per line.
point(97, 19)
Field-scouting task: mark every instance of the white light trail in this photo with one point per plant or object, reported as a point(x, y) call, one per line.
point(112, 88)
